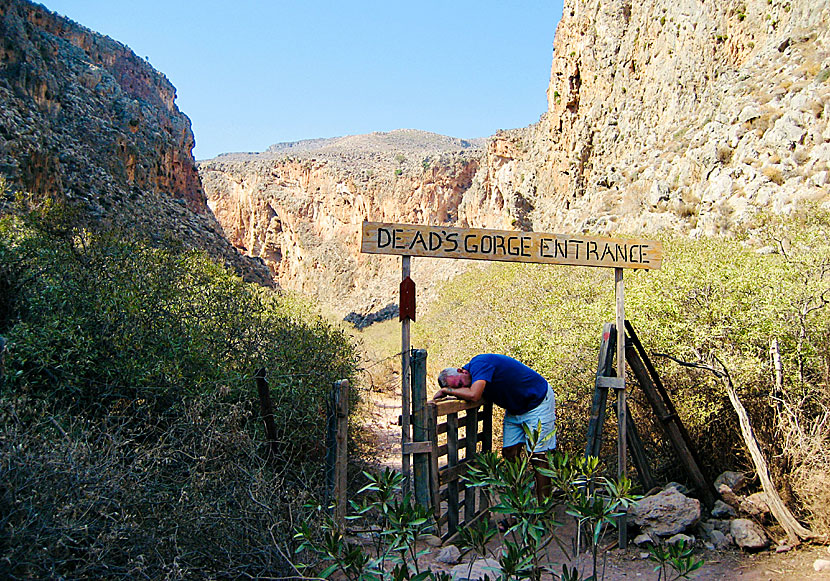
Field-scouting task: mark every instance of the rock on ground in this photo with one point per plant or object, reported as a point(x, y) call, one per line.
point(748, 535)
point(666, 513)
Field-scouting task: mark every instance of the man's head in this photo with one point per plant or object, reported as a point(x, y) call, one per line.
point(454, 377)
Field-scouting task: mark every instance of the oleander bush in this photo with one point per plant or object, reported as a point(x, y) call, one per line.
point(130, 438)
point(713, 298)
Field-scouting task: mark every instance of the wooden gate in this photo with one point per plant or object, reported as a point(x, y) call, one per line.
point(446, 436)
point(454, 503)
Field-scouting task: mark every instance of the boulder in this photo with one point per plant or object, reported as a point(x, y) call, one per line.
point(821, 565)
point(755, 505)
point(476, 571)
point(728, 496)
point(642, 540)
point(665, 514)
point(723, 510)
point(718, 539)
point(681, 538)
point(449, 555)
point(748, 535)
point(734, 480)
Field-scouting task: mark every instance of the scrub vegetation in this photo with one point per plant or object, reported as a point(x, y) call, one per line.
point(713, 299)
point(130, 438)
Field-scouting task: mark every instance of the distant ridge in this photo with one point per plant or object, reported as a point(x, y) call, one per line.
point(399, 140)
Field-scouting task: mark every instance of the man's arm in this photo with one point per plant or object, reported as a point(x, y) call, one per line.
point(472, 394)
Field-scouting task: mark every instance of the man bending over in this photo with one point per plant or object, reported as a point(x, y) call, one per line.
point(524, 394)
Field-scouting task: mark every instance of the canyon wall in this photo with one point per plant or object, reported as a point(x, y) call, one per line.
point(83, 119)
point(682, 116)
point(300, 206)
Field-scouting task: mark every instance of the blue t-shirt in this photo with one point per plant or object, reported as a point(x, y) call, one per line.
point(511, 384)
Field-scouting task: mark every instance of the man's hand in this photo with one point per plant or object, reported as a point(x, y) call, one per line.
point(440, 394)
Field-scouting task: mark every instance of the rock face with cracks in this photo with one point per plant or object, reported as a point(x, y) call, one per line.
point(83, 119)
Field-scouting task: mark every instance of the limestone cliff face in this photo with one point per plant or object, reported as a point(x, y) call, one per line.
point(84, 119)
point(300, 206)
point(684, 115)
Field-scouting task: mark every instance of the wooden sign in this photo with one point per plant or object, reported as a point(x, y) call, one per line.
point(407, 302)
point(510, 246)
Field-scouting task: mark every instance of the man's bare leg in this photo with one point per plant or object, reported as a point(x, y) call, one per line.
point(512, 452)
point(543, 483)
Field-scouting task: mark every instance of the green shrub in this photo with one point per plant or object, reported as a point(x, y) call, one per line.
point(130, 438)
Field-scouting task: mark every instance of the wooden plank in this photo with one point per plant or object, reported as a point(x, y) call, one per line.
point(471, 430)
point(418, 448)
point(462, 444)
point(638, 454)
point(487, 428)
point(604, 369)
point(681, 445)
point(612, 382)
point(434, 485)
point(668, 411)
point(446, 407)
point(486, 442)
point(510, 246)
point(452, 464)
point(452, 472)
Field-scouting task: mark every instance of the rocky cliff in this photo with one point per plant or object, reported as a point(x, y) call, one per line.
point(299, 206)
point(679, 115)
point(685, 115)
point(83, 118)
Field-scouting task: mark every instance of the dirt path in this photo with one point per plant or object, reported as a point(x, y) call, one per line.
point(382, 427)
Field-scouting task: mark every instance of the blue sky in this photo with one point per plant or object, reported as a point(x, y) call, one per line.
point(250, 73)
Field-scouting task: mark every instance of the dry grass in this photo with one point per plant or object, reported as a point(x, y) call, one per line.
point(136, 499)
point(807, 445)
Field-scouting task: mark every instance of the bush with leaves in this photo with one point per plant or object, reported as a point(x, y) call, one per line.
point(595, 502)
point(394, 522)
point(130, 439)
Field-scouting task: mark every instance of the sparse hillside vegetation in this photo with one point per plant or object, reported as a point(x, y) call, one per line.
point(723, 298)
point(131, 444)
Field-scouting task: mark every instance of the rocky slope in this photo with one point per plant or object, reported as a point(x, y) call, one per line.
point(677, 115)
point(83, 118)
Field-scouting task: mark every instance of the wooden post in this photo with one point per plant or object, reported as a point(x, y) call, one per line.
point(420, 457)
point(605, 369)
point(405, 385)
point(337, 456)
point(622, 407)
point(667, 416)
point(266, 410)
